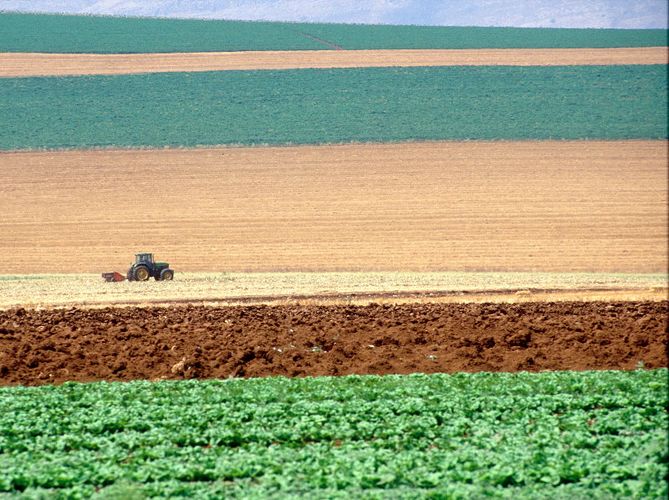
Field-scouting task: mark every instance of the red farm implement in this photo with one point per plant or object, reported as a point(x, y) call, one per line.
point(113, 276)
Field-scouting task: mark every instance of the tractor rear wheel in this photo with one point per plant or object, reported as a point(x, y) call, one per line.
point(167, 275)
point(130, 276)
point(142, 273)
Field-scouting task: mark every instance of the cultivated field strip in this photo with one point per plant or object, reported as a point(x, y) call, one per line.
point(125, 35)
point(19, 64)
point(528, 206)
point(332, 106)
point(89, 290)
point(599, 434)
point(120, 344)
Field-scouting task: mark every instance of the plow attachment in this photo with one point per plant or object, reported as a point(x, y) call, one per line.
point(110, 277)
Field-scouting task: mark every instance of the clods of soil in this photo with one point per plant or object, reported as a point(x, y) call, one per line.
point(54, 346)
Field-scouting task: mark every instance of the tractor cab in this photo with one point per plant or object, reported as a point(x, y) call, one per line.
point(144, 258)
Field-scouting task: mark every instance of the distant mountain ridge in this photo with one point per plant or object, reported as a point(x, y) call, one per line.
point(643, 14)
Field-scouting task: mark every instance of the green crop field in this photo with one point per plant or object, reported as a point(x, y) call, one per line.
point(57, 33)
point(437, 37)
point(336, 105)
point(551, 434)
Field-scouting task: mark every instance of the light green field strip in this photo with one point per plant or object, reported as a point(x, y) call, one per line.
point(80, 34)
point(90, 289)
point(541, 435)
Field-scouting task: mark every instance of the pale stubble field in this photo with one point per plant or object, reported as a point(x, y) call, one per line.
point(89, 290)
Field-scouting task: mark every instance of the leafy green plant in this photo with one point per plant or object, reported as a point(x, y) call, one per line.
point(563, 434)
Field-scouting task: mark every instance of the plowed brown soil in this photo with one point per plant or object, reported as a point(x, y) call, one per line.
point(35, 64)
point(54, 346)
point(442, 206)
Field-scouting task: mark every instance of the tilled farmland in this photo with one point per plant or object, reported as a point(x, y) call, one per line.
point(119, 344)
point(430, 262)
point(38, 64)
point(444, 206)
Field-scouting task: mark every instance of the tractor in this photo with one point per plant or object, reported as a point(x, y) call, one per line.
point(145, 267)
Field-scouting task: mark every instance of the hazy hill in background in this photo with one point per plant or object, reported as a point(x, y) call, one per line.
point(539, 13)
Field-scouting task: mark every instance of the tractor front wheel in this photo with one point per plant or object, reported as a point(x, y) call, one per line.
point(167, 275)
point(142, 273)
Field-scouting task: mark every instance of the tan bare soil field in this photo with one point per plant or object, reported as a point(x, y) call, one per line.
point(528, 206)
point(35, 64)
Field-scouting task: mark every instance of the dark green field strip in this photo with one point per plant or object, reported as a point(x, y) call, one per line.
point(105, 35)
point(331, 106)
point(436, 37)
point(80, 34)
point(558, 435)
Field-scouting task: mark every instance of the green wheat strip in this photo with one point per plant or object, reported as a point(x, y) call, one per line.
point(335, 105)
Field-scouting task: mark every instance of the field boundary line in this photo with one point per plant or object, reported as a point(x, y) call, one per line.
point(399, 297)
point(214, 148)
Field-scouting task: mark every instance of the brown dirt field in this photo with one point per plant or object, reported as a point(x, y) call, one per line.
point(36, 64)
point(54, 346)
point(499, 206)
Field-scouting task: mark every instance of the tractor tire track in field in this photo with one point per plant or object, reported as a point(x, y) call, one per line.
point(320, 40)
point(24, 64)
point(54, 346)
